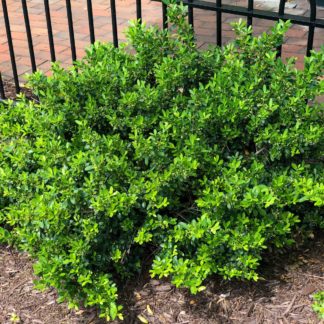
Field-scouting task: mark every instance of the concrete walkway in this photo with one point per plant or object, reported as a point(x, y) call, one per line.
point(205, 22)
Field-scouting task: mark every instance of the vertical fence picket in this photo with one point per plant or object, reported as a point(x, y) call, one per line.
point(71, 29)
point(139, 9)
point(29, 35)
point(10, 45)
point(49, 30)
point(311, 29)
point(114, 22)
point(91, 24)
point(164, 15)
point(250, 10)
point(281, 12)
point(190, 14)
point(2, 91)
point(219, 23)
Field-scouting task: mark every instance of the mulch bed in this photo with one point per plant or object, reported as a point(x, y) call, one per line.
point(10, 90)
point(283, 296)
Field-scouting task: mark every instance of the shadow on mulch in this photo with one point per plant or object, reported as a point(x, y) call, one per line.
point(283, 295)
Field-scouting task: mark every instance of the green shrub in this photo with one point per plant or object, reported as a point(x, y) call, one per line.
point(206, 158)
point(318, 305)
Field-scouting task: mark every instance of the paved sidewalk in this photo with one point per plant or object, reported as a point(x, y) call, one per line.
point(205, 22)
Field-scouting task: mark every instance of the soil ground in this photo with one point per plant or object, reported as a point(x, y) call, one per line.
point(283, 296)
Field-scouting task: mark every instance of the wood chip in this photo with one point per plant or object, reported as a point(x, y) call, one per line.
point(154, 282)
point(163, 288)
point(308, 290)
point(290, 306)
point(250, 310)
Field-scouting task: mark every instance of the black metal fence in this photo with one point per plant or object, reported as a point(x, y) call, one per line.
point(312, 22)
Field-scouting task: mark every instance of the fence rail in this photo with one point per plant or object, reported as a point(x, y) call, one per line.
point(312, 22)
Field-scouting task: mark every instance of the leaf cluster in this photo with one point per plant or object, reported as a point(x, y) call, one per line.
point(318, 305)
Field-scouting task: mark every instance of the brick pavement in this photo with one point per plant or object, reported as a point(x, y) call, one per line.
point(205, 22)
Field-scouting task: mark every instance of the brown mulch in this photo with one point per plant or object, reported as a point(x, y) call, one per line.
point(10, 90)
point(283, 296)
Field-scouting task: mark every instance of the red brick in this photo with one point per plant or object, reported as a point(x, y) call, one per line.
point(205, 27)
point(297, 49)
point(297, 32)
